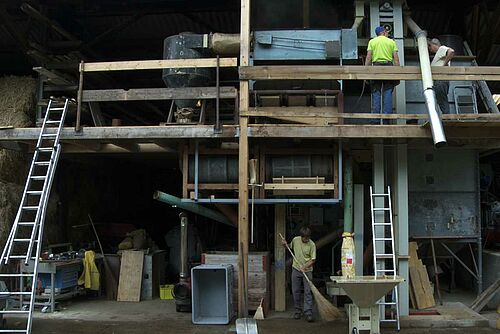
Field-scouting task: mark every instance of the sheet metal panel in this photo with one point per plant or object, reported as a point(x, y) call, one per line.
point(305, 44)
point(443, 193)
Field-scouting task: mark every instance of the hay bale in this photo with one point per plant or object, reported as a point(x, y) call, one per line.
point(17, 101)
point(14, 166)
point(10, 197)
point(17, 108)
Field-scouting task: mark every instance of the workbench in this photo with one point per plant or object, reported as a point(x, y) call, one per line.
point(63, 278)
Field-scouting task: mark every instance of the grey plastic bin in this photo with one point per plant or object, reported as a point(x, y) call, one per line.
point(212, 294)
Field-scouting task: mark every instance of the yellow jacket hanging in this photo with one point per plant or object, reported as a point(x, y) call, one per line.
point(90, 276)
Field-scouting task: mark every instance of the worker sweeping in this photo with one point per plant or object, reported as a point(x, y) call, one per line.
point(304, 250)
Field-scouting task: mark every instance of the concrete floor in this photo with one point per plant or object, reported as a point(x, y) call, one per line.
point(158, 316)
point(274, 326)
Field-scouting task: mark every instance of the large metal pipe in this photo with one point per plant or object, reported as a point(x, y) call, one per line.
point(348, 195)
point(184, 245)
point(430, 98)
point(225, 44)
point(192, 207)
point(329, 238)
point(229, 211)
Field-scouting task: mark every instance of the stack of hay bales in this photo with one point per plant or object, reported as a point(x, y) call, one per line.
point(17, 109)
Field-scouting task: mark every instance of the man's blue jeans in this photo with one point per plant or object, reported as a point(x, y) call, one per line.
point(381, 94)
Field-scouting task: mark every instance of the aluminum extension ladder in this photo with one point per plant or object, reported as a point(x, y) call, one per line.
point(25, 239)
point(384, 252)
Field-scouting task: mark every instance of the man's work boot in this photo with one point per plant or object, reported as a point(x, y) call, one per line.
point(309, 318)
point(297, 315)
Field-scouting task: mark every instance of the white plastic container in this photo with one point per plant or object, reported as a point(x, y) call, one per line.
point(211, 294)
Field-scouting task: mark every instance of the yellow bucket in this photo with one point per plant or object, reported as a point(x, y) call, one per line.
point(166, 292)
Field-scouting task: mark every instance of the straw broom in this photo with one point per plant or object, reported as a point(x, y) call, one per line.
point(326, 310)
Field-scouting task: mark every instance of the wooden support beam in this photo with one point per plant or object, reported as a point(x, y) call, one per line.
point(85, 145)
point(138, 133)
point(133, 65)
point(370, 131)
point(334, 72)
point(157, 94)
point(128, 146)
point(185, 170)
point(330, 112)
point(168, 146)
point(54, 77)
point(299, 186)
point(243, 200)
point(146, 134)
point(243, 165)
point(113, 30)
point(95, 112)
point(45, 20)
point(279, 258)
point(335, 168)
point(214, 186)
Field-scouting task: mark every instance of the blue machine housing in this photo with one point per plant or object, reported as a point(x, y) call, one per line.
point(305, 44)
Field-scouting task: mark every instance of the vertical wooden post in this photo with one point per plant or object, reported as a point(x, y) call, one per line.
point(279, 258)
point(185, 170)
point(306, 13)
point(335, 167)
point(262, 171)
point(243, 162)
point(475, 28)
point(79, 98)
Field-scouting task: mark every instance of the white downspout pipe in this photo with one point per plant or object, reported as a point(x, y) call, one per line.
point(430, 98)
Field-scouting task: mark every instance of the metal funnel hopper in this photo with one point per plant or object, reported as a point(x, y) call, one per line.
point(365, 291)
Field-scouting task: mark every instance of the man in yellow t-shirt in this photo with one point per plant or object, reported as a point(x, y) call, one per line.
point(304, 250)
point(382, 51)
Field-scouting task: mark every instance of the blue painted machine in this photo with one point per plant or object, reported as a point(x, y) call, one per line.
point(293, 45)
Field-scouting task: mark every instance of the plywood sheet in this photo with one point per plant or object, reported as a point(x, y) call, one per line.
point(129, 286)
point(421, 287)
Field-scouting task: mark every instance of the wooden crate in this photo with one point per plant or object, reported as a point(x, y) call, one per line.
point(258, 275)
point(282, 186)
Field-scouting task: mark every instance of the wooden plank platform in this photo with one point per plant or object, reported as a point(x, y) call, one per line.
point(156, 64)
point(333, 112)
point(359, 72)
point(104, 139)
point(151, 94)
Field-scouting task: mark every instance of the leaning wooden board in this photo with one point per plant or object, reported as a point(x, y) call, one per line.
point(129, 285)
point(424, 297)
point(420, 287)
point(480, 302)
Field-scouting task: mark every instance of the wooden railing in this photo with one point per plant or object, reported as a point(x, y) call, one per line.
point(334, 72)
point(155, 93)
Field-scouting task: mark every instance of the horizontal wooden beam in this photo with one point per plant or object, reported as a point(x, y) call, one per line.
point(139, 134)
point(473, 130)
point(157, 94)
point(299, 186)
point(457, 131)
point(157, 64)
point(292, 112)
point(332, 112)
point(335, 72)
point(54, 77)
point(214, 186)
point(126, 145)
